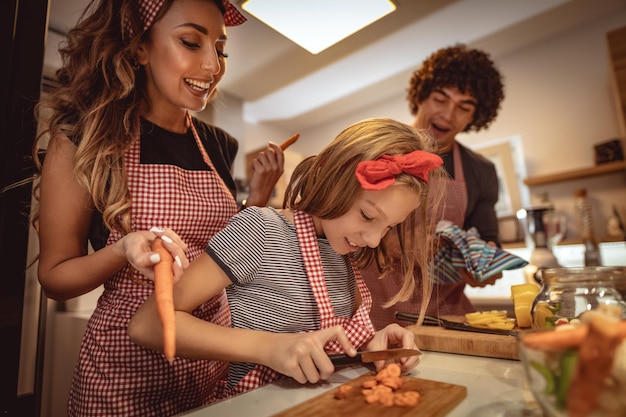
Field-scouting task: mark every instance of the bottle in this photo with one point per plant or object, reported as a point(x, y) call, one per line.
point(585, 227)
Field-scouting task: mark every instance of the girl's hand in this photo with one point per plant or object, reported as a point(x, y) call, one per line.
point(394, 336)
point(266, 169)
point(302, 355)
point(136, 249)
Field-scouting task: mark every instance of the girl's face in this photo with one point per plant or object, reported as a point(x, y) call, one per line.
point(184, 56)
point(369, 219)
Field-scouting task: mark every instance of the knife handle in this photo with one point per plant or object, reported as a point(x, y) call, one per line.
point(341, 359)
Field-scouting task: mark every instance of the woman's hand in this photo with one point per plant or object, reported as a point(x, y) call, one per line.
point(302, 355)
point(394, 336)
point(266, 169)
point(136, 249)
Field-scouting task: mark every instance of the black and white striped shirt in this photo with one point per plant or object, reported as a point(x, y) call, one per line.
point(259, 252)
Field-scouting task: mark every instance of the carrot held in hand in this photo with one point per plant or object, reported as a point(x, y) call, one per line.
point(289, 142)
point(164, 294)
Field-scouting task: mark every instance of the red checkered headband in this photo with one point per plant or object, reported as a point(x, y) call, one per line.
point(148, 9)
point(381, 173)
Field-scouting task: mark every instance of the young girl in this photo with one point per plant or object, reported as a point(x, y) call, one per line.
point(289, 273)
point(125, 155)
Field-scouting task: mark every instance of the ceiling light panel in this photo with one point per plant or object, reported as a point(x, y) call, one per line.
point(318, 24)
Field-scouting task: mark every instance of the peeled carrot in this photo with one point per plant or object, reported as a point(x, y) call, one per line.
point(164, 294)
point(565, 339)
point(289, 142)
point(595, 360)
point(556, 339)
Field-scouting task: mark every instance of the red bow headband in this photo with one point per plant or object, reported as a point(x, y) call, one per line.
point(381, 173)
point(148, 10)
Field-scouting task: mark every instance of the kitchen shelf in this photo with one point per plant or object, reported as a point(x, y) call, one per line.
point(605, 168)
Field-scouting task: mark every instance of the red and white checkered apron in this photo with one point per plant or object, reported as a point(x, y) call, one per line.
point(359, 328)
point(446, 299)
point(116, 377)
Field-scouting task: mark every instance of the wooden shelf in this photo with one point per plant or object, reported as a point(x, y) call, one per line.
point(577, 173)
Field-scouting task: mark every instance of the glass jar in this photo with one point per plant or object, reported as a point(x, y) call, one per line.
point(566, 293)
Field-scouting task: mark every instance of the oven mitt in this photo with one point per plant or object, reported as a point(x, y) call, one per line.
point(466, 250)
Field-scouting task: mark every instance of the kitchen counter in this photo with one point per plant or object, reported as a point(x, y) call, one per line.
point(495, 388)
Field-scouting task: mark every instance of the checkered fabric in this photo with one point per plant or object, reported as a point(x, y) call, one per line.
point(359, 328)
point(148, 10)
point(114, 376)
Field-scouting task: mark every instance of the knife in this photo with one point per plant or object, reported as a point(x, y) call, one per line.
point(451, 325)
point(340, 359)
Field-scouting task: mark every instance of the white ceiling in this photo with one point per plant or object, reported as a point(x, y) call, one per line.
point(284, 85)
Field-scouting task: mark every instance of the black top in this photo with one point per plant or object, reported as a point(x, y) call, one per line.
point(159, 146)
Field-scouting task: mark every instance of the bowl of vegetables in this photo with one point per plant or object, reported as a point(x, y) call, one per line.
point(578, 369)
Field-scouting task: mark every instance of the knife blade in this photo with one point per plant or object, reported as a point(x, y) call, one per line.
point(340, 359)
point(451, 325)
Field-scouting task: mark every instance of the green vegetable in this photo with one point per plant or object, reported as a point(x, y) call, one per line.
point(567, 366)
point(547, 375)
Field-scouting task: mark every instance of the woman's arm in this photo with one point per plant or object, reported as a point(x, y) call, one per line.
point(65, 211)
point(66, 270)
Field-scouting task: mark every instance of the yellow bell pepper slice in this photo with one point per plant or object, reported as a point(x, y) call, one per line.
point(523, 296)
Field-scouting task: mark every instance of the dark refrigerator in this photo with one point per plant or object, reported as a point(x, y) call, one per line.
point(23, 26)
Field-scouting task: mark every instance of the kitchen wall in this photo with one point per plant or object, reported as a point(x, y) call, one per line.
point(559, 101)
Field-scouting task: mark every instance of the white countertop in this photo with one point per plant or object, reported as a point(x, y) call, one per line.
point(495, 388)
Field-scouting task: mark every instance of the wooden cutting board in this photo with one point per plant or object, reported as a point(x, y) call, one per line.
point(436, 400)
point(439, 339)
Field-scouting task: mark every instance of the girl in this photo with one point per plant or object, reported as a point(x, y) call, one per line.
point(125, 155)
point(289, 273)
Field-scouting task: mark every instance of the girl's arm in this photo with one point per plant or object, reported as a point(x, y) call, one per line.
point(299, 355)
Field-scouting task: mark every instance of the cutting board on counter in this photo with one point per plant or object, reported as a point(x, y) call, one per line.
point(438, 339)
point(436, 400)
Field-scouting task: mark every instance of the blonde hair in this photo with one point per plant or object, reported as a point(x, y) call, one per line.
point(325, 185)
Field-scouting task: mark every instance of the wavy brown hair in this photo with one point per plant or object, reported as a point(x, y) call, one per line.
point(471, 71)
point(325, 185)
point(100, 98)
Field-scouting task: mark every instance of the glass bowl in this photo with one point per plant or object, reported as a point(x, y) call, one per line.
point(566, 293)
point(547, 375)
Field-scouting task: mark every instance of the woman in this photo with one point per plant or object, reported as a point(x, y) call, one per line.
point(125, 155)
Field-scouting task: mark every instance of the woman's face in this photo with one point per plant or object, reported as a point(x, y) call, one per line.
point(369, 219)
point(184, 56)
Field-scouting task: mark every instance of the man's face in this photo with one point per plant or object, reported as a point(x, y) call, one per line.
point(445, 113)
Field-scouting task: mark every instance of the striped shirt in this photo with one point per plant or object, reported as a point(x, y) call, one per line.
point(259, 252)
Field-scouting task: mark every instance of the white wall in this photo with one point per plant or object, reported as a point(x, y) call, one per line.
point(559, 100)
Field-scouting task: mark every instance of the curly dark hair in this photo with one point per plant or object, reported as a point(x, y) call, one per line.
point(469, 70)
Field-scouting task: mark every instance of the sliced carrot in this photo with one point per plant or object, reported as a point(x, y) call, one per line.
point(289, 142)
point(164, 295)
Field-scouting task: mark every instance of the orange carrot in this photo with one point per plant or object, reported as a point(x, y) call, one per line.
point(164, 294)
point(565, 339)
point(595, 359)
point(556, 339)
point(289, 142)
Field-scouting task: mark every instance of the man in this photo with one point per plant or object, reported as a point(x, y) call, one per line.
point(455, 90)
